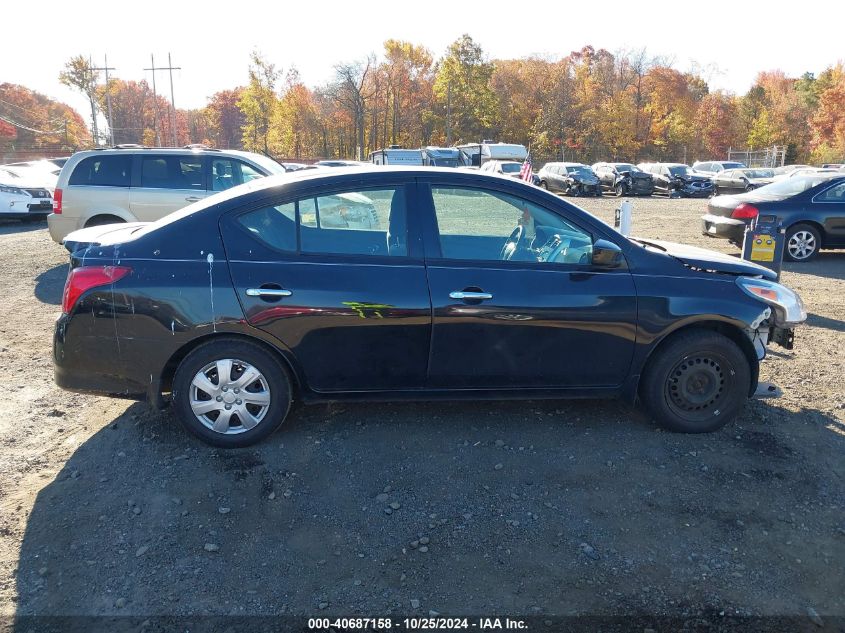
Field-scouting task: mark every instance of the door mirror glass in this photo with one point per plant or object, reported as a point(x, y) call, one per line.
point(607, 254)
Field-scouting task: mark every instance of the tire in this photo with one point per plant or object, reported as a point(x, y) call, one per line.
point(696, 382)
point(102, 220)
point(270, 391)
point(619, 190)
point(715, 190)
point(802, 243)
point(543, 185)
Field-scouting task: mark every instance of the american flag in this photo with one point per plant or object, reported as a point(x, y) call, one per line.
point(525, 173)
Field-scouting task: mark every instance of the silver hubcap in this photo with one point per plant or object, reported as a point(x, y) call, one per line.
point(802, 245)
point(230, 396)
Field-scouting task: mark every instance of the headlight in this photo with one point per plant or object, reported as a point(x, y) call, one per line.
point(788, 307)
point(14, 190)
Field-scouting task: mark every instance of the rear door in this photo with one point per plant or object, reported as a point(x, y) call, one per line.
point(337, 277)
point(164, 183)
point(515, 299)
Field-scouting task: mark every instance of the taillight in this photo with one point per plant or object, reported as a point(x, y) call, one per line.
point(86, 277)
point(745, 211)
point(57, 201)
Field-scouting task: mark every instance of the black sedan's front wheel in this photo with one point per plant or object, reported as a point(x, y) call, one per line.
point(231, 393)
point(696, 382)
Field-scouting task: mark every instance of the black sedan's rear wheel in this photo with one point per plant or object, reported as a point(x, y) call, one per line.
point(619, 190)
point(802, 243)
point(231, 393)
point(696, 382)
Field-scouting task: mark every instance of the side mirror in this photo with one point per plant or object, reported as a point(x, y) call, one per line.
point(607, 254)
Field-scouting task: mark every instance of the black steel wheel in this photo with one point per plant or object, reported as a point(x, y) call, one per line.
point(696, 382)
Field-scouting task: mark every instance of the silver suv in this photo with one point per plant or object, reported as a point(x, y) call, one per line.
point(139, 184)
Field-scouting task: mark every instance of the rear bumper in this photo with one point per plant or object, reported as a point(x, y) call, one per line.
point(60, 226)
point(92, 364)
point(723, 228)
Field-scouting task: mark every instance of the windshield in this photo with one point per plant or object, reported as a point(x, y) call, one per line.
point(790, 187)
point(732, 165)
point(679, 170)
point(580, 170)
point(444, 162)
point(758, 173)
point(511, 168)
point(267, 163)
point(625, 167)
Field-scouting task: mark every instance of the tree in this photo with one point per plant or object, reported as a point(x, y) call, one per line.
point(465, 101)
point(80, 74)
point(352, 92)
point(295, 124)
point(225, 119)
point(258, 102)
point(30, 121)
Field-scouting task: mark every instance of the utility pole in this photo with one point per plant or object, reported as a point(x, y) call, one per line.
point(155, 100)
point(93, 88)
point(108, 96)
point(170, 68)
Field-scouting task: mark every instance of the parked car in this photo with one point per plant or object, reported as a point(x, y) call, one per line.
point(713, 167)
point(811, 208)
point(473, 286)
point(34, 176)
point(20, 200)
point(572, 179)
point(788, 169)
point(510, 168)
point(624, 179)
point(339, 163)
point(134, 184)
point(741, 180)
point(678, 180)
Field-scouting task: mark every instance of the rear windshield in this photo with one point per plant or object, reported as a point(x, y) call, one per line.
point(580, 170)
point(791, 186)
point(511, 168)
point(759, 173)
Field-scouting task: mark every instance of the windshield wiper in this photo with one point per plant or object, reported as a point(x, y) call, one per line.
point(647, 243)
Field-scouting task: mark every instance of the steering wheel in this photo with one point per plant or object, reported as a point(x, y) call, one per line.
point(511, 245)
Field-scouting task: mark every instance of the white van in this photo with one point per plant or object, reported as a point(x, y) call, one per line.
point(140, 184)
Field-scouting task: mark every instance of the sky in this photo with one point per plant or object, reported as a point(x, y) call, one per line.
point(211, 40)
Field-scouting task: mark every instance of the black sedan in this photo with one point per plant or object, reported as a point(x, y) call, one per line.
point(742, 180)
point(623, 179)
point(811, 209)
point(470, 286)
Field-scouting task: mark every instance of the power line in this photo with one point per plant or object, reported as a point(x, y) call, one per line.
point(28, 129)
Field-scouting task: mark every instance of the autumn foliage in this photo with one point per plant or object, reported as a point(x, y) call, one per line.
point(589, 105)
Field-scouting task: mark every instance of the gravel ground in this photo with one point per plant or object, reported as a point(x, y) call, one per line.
point(532, 508)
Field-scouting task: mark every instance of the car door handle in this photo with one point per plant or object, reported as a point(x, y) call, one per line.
point(193, 199)
point(467, 295)
point(268, 292)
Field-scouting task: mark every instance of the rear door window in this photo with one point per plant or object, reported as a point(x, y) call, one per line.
point(108, 170)
point(172, 172)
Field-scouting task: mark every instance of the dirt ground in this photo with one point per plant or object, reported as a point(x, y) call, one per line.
point(530, 508)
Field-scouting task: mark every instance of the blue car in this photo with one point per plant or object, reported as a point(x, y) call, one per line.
point(458, 285)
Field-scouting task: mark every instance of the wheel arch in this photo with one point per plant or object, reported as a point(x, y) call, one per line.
point(816, 225)
point(165, 383)
point(728, 330)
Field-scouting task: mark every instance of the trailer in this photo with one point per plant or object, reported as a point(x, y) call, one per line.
point(476, 154)
point(395, 155)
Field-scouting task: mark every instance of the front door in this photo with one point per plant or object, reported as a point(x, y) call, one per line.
point(336, 280)
point(516, 300)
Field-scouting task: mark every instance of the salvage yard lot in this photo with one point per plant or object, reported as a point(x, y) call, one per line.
point(518, 507)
